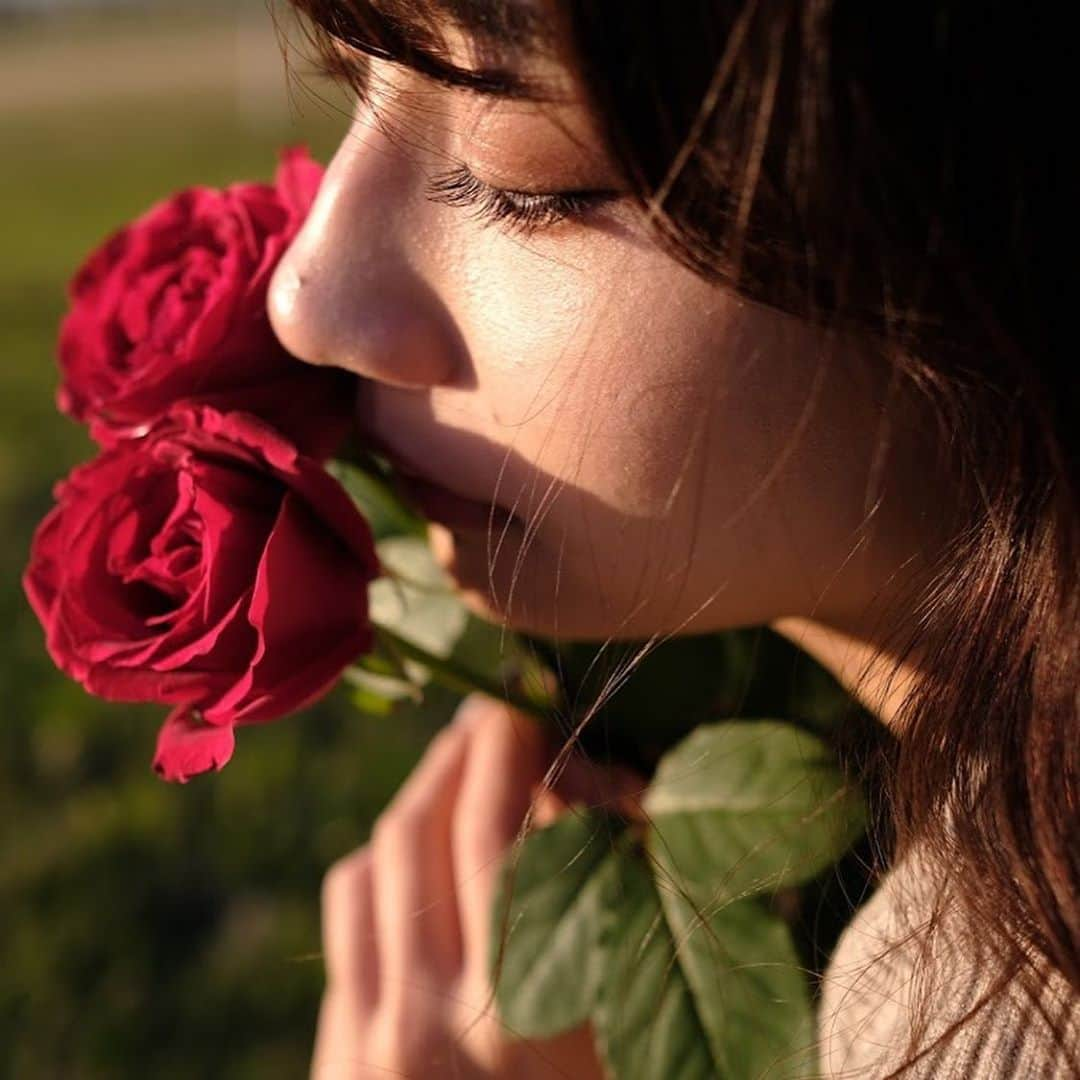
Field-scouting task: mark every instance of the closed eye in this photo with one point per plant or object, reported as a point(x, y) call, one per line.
point(523, 211)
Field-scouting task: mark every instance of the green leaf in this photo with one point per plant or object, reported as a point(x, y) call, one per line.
point(367, 701)
point(485, 648)
point(416, 600)
point(751, 994)
point(388, 688)
point(507, 661)
point(376, 500)
point(688, 998)
point(423, 628)
point(647, 1023)
point(382, 660)
point(547, 909)
point(744, 807)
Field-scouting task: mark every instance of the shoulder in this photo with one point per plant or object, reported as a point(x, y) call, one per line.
point(897, 962)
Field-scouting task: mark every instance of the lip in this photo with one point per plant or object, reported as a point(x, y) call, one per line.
point(434, 501)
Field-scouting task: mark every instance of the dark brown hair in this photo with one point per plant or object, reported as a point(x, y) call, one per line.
point(893, 170)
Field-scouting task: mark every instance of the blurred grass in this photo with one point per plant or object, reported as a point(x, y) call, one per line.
point(149, 930)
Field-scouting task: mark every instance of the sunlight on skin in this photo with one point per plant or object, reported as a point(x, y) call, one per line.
point(876, 678)
point(662, 456)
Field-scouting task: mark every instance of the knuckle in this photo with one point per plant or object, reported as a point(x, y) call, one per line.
point(474, 709)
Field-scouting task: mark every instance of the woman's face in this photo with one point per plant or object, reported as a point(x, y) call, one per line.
point(655, 453)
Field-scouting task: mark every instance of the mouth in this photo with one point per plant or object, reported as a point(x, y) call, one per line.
point(436, 502)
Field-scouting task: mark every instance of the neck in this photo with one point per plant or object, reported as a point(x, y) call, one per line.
point(861, 662)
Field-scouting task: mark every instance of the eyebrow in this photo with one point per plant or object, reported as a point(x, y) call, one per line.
point(405, 32)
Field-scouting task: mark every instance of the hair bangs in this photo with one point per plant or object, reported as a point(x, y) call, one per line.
point(500, 35)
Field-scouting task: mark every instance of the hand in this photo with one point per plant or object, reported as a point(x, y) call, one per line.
point(406, 918)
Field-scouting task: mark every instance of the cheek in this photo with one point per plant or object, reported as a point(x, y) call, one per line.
point(602, 388)
point(640, 428)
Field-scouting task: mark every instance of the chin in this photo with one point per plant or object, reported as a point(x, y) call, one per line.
point(518, 593)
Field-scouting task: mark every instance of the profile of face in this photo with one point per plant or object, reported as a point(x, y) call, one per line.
point(614, 446)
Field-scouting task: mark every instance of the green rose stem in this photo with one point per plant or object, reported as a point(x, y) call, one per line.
point(463, 680)
point(369, 480)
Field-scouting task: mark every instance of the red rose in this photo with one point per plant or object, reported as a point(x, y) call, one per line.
point(173, 308)
point(207, 565)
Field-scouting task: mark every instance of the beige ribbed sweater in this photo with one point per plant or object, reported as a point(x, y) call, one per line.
point(865, 1011)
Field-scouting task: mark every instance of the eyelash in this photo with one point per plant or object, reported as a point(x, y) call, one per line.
point(522, 211)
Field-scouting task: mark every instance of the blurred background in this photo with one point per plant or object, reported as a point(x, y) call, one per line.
point(149, 930)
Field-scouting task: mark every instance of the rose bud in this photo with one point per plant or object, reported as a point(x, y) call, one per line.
point(209, 566)
point(173, 308)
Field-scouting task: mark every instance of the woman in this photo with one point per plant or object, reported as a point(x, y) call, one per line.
point(689, 319)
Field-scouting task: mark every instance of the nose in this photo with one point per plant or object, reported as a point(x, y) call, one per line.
point(348, 292)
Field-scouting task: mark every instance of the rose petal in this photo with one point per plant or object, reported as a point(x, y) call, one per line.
point(209, 565)
point(187, 746)
point(298, 179)
point(310, 611)
point(42, 576)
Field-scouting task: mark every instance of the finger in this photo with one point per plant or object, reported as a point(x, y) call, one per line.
point(340, 1036)
point(548, 807)
point(508, 754)
point(416, 907)
point(575, 780)
point(350, 949)
point(607, 787)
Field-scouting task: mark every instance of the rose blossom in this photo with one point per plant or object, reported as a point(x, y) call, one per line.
point(209, 566)
point(173, 307)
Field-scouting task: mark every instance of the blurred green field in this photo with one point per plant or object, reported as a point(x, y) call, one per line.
point(150, 930)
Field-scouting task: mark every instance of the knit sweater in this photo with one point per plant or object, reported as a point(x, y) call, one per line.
point(870, 997)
